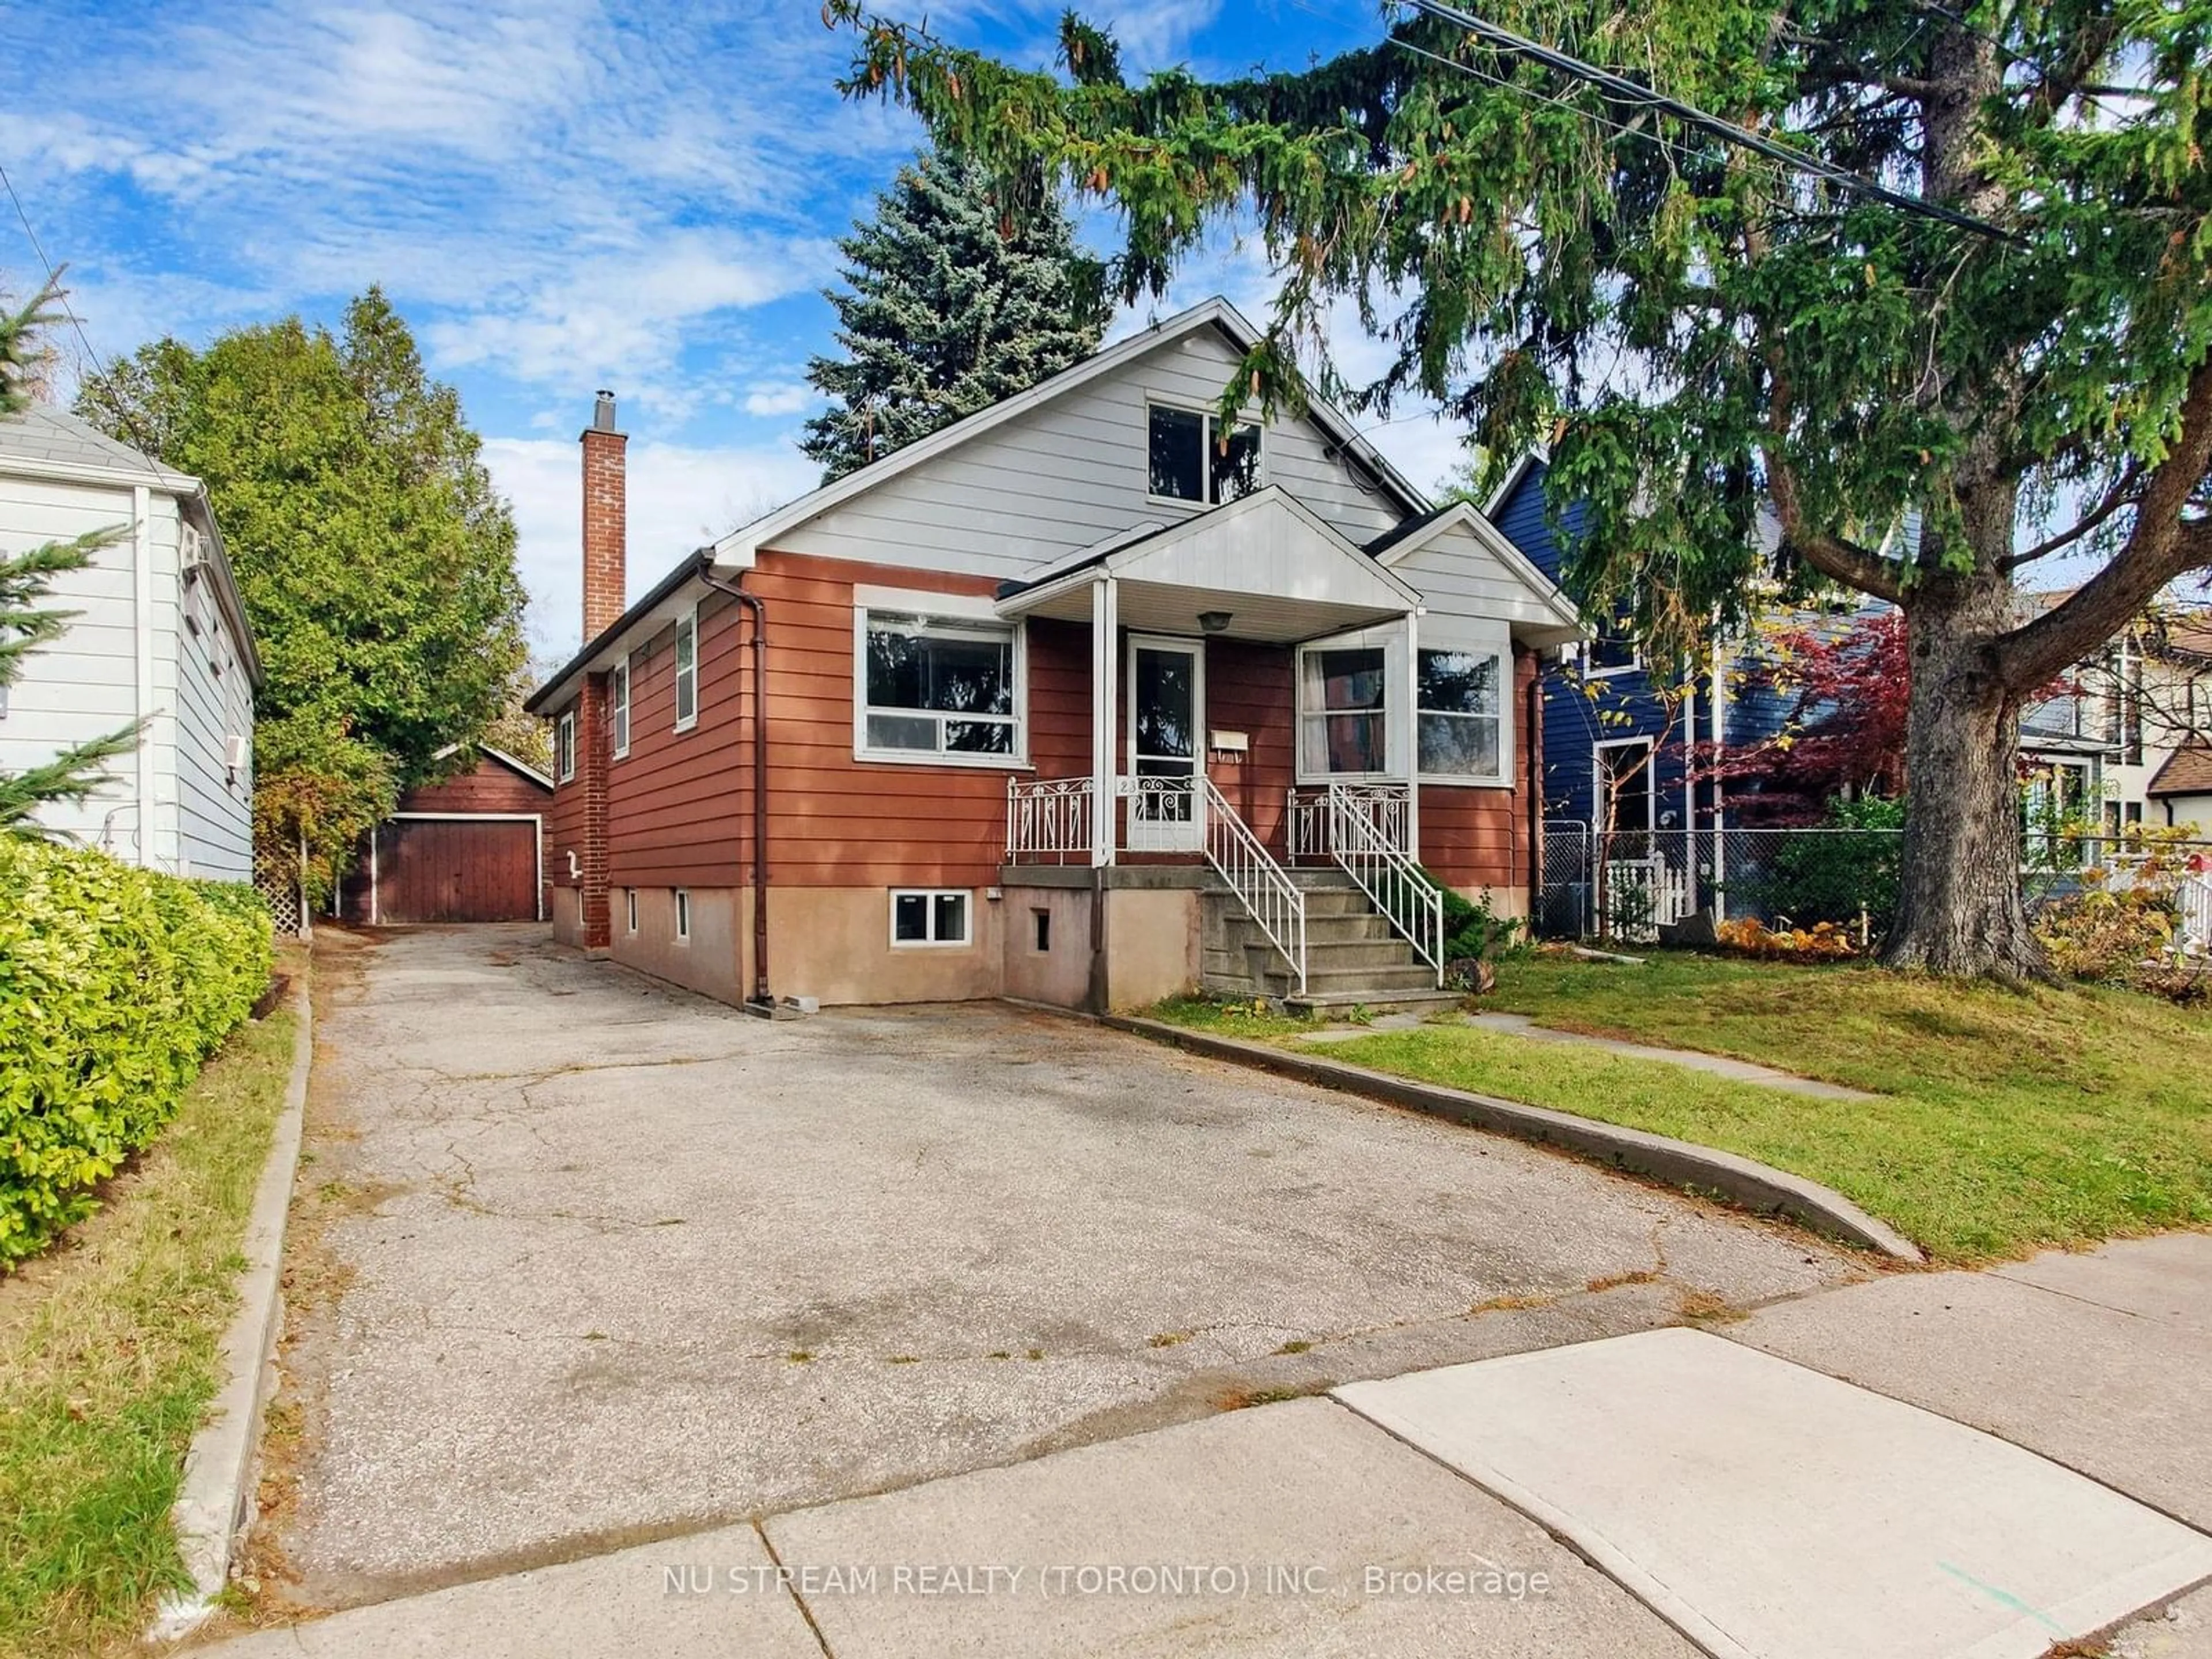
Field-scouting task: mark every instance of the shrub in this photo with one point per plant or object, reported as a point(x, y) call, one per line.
point(115, 983)
point(1849, 865)
point(1472, 928)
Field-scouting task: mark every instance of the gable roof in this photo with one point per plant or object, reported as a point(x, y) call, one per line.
point(2187, 771)
point(485, 751)
point(1393, 546)
point(741, 545)
point(44, 439)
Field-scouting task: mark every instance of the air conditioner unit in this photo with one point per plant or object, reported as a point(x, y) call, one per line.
point(191, 548)
point(234, 753)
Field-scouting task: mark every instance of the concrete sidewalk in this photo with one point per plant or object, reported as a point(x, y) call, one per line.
point(1766, 1492)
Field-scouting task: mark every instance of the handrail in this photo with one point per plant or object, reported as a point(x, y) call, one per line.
point(2195, 897)
point(1394, 884)
point(1386, 805)
point(1275, 902)
point(1047, 817)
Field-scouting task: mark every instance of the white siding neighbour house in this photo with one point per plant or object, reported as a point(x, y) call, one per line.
point(159, 637)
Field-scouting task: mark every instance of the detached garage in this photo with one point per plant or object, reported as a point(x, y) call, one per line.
point(471, 848)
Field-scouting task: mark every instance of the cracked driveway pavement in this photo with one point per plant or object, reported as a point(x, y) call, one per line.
point(583, 1260)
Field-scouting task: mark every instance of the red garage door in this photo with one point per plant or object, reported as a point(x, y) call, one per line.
point(457, 870)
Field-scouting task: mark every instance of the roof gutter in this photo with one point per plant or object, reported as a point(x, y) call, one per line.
point(762, 1002)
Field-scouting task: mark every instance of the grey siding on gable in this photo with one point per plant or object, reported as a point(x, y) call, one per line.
point(213, 701)
point(1072, 472)
point(1460, 578)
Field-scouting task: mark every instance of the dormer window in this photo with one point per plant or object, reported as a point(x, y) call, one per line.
point(1193, 458)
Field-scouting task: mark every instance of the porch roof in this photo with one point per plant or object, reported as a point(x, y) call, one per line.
point(1279, 573)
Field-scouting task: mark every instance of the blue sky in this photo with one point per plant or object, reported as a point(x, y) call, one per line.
point(558, 195)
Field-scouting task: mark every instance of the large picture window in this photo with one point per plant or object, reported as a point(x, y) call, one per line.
point(1343, 711)
point(1193, 458)
point(930, 687)
point(1462, 715)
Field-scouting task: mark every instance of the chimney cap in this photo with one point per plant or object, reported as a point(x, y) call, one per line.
point(603, 411)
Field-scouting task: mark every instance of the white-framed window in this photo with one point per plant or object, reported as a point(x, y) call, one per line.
point(1627, 786)
point(929, 916)
point(1344, 709)
point(683, 915)
point(687, 669)
point(932, 688)
point(564, 747)
point(1612, 649)
point(618, 707)
point(1191, 456)
point(1462, 715)
point(629, 894)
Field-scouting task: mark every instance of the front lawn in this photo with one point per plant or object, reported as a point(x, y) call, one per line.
point(2011, 1119)
point(107, 1361)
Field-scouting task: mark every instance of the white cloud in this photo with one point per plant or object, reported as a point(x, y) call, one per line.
point(770, 399)
point(680, 498)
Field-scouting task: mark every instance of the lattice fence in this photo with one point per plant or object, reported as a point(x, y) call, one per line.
point(276, 879)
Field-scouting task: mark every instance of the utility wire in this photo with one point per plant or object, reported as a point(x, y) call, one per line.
point(1631, 92)
point(53, 277)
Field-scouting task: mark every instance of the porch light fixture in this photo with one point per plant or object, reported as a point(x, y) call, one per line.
point(1213, 622)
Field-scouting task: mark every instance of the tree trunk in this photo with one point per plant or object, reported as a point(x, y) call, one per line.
point(1959, 902)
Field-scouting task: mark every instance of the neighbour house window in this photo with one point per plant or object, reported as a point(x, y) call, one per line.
point(1626, 798)
point(1612, 649)
point(1192, 458)
point(565, 748)
point(934, 688)
point(683, 916)
point(687, 669)
point(1462, 715)
point(1343, 714)
point(618, 707)
point(927, 916)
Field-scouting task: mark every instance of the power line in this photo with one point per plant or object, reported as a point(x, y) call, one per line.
point(1631, 92)
point(53, 277)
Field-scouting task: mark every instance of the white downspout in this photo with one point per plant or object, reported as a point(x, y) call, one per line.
point(142, 612)
point(1412, 728)
point(1105, 706)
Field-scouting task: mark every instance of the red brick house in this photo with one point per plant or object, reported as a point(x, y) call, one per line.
point(1083, 699)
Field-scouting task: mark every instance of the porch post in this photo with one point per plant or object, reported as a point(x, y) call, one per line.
point(1105, 706)
point(1414, 734)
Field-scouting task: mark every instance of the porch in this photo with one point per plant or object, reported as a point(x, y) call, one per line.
point(1252, 679)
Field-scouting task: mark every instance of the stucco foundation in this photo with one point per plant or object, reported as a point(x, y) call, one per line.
point(711, 961)
point(567, 910)
point(1151, 945)
point(1060, 974)
point(834, 943)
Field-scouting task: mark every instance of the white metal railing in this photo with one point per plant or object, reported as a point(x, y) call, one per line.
point(1265, 888)
point(1394, 884)
point(2195, 898)
point(1049, 819)
point(1387, 806)
point(1162, 814)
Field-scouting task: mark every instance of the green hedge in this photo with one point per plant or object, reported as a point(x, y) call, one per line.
point(115, 983)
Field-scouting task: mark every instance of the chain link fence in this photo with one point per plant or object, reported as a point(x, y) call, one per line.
point(1626, 885)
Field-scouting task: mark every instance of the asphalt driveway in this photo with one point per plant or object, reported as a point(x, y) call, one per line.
point(581, 1261)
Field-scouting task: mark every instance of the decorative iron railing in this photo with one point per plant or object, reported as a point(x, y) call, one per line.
point(1394, 884)
point(1386, 805)
point(1263, 886)
point(1050, 820)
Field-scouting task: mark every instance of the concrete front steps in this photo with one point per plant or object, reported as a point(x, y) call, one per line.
point(1354, 957)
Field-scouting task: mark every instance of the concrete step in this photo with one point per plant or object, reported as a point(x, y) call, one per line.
point(1326, 1003)
point(1356, 981)
point(1345, 930)
point(1346, 956)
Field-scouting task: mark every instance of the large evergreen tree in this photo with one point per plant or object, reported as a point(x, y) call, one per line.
point(950, 303)
point(26, 622)
point(375, 559)
point(1696, 325)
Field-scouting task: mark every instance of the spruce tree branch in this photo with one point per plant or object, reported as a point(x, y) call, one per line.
point(2161, 545)
point(2117, 498)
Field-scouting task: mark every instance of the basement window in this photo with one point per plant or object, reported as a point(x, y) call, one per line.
point(630, 893)
point(926, 916)
point(683, 916)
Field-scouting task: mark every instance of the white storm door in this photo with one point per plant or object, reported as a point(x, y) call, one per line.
point(1167, 713)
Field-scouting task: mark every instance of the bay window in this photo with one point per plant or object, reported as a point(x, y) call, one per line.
point(1462, 715)
point(932, 688)
point(1344, 726)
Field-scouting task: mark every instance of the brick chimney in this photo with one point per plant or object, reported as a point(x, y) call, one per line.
point(606, 513)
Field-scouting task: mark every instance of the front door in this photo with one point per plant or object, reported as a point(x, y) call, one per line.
point(1167, 709)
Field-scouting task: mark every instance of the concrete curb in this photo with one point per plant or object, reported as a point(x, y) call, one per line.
point(214, 1505)
point(1742, 1180)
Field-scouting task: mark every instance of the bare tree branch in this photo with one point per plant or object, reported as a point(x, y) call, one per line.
point(2117, 498)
